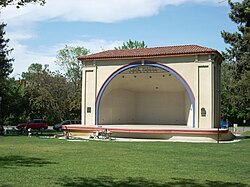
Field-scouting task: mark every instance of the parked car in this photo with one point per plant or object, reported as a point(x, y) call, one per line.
point(58, 127)
point(38, 124)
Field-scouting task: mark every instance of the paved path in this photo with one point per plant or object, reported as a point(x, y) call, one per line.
point(239, 130)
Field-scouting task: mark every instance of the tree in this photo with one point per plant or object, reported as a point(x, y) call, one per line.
point(132, 45)
point(19, 3)
point(39, 98)
point(11, 92)
point(67, 59)
point(5, 70)
point(48, 94)
point(14, 103)
point(5, 61)
point(236, 80)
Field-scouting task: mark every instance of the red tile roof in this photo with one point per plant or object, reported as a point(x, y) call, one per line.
point(181, 50)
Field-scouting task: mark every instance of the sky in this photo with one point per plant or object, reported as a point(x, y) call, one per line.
point(37, 32)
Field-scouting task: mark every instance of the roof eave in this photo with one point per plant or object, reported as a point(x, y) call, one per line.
point(149, 56)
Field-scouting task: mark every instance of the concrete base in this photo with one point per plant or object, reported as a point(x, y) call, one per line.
point(168, 132)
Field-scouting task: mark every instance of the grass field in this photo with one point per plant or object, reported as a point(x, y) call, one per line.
point(51, 162)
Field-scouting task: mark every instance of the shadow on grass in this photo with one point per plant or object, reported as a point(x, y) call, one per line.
point(246, 137)
point(142, 182)
point(22, 161)
point(6, 185)
point(242, 137)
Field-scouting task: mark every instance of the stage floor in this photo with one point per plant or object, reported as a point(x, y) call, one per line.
point(150, 131)
point(146, 126)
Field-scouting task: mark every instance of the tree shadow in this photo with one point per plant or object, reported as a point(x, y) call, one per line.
point(107, 181)
point(6, 185)
point(22, 161)
point(242, 137)
point(246, 137)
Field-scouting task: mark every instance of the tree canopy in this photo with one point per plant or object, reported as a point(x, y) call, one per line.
point(235, 71)
point(47, 93)
point(12, 98)
point(67, 60)
point(19, 3)
point(5, 61)
point(41, 93)
point(132, 45)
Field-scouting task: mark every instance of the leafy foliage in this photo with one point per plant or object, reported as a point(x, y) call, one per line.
point(49, 95)
point(5, 62)
point(19, 3)
point(235, 72)
point(5, 70)
point(67, 59)
point(14, 104)
point(132, 45)
point(41, 93)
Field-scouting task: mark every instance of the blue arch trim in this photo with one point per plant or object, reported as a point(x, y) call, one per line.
point(146, 63)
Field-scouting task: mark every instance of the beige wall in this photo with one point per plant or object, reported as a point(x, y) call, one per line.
point(143, 108)
point(147, 98)
point(204, 96)
point(88, 95)
point(111, 111)
point(161, 108)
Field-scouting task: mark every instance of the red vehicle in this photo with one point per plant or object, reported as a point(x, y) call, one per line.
point(38, 124)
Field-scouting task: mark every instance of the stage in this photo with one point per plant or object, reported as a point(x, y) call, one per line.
point(139, 131)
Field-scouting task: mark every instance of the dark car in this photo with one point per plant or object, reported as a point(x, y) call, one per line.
point(58, 127)
point(38, 124)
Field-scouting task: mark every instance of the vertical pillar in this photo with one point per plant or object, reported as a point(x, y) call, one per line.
point(88, 95)
point(205, 97)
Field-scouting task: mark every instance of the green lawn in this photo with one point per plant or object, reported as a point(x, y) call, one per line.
point(51, 162)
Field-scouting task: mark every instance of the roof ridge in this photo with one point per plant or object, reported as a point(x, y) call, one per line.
point(159, 47)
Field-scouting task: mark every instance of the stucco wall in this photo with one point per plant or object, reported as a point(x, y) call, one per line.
point(118, 107)
point(204, 97)
point(124, 107)
point(160, 108)
point(88, 95)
